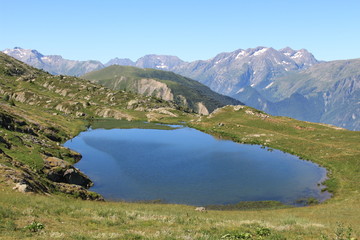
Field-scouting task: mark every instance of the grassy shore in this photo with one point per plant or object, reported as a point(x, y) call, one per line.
point(336, 149)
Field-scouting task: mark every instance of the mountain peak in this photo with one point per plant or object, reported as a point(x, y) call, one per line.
point(53, 64)
point(120, 61)
point(163, 62)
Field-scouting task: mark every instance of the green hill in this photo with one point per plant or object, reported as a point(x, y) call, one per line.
point(188, 93)
point(39, 111)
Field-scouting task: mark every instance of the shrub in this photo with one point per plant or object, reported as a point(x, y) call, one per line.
point(35, 227)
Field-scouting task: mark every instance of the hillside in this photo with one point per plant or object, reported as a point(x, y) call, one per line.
point(169, 86)
point(40, 111)
point(330, 90)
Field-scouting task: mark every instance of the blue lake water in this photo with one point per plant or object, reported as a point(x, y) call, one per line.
point(187, 166)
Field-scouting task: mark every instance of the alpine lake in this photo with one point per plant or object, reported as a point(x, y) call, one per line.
point(137, 161)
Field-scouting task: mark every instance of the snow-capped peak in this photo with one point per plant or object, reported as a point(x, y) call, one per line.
point(298, 54)
point(242, 53)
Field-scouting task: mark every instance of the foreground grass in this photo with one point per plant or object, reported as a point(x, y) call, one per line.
point(338, 150)
point(66, 218)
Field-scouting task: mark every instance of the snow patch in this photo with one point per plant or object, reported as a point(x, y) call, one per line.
point(241, 54)
point(240, 90)
point(162, 66)
point(297, 55)
point(353, 116)
point(285, 62)
point(287, 54)
point(252, 85)
point(218, 61)
point(261, 51)
point(269, 85)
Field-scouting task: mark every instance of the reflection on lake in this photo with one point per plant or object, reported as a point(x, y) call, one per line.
point(187, 166)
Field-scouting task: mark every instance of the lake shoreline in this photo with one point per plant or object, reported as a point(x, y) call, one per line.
point(298, 202)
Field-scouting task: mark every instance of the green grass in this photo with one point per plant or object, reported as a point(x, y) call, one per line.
point(66, 218)
point(114, 123)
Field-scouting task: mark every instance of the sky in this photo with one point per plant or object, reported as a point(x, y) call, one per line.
point(190, 29)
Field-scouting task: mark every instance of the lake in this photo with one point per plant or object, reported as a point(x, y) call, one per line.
point(186, 166)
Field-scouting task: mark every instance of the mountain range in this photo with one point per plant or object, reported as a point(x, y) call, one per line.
point(282, 82)
point(54, 64)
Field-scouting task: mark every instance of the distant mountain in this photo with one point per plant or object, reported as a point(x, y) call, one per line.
point(120, 61)
point(228, 73)
point(186, 92)
point(328, 92)
point(161, 62)
point(53, 64)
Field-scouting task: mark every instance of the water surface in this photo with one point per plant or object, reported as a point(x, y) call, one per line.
point(187, 166)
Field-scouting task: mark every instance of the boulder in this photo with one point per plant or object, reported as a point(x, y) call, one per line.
point(58, 170)
point(200, 209)
point(22, 188)
point(78, 191)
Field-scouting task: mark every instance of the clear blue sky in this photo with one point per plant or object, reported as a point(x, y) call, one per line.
point(189, 29)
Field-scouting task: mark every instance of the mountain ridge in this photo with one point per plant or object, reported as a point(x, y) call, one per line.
point(167, 85)
point(54, 64)
point(265, 78)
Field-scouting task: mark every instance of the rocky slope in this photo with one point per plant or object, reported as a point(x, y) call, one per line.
point(328, 92)
point(53, 64)
point(188, 93)
point(228, 73)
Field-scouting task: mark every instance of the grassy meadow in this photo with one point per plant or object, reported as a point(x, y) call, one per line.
point(338, 218)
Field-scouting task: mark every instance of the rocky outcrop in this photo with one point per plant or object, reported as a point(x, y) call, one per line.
point(112, 113)
point(24, 179)
point(165, 111)
point(58, 170)
point(151, 87)
point(78, 191)
point(11, 123)
point(69, 107)
point(201, 109)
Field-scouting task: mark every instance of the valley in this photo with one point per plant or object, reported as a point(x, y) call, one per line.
point(40, 111)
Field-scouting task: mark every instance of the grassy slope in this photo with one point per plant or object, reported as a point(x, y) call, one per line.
point(192, 90)
point(66, 218)
point(336, 149)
